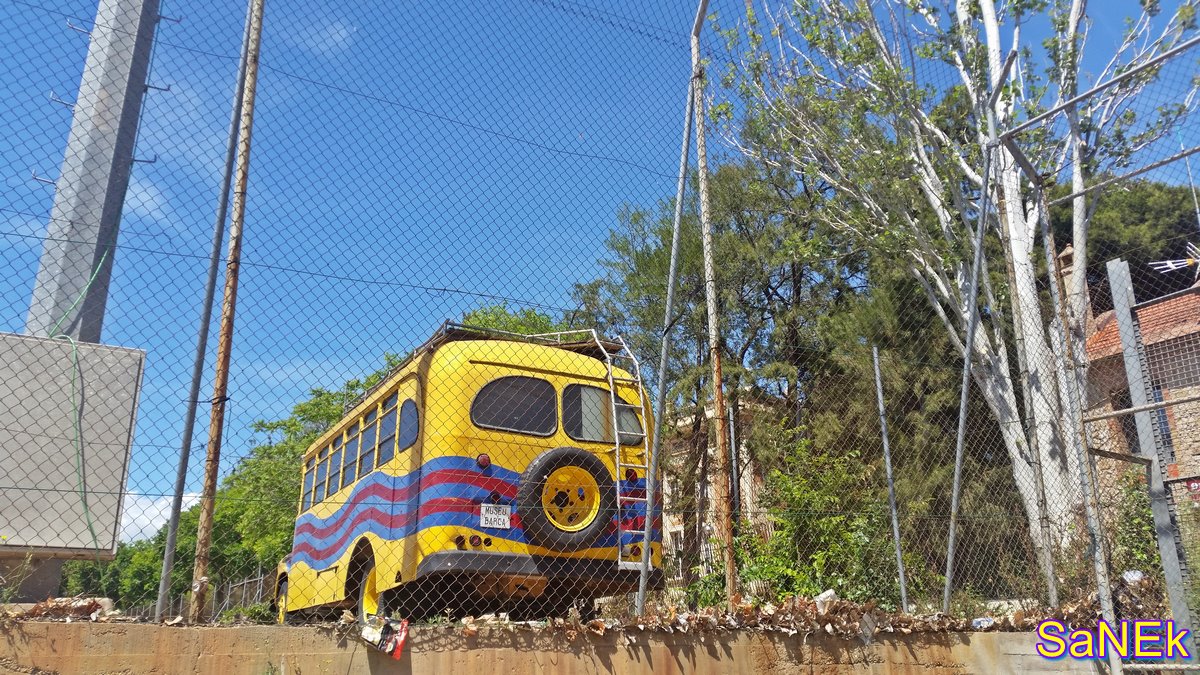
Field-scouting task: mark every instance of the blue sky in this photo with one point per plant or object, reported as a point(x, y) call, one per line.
point(411, 161)
point(483, 152)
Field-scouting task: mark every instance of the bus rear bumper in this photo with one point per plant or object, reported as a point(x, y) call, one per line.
point(592, 573)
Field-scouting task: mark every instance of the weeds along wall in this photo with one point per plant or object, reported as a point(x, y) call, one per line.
point(511, 169)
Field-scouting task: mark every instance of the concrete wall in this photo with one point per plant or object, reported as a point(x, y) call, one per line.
point(135, 648)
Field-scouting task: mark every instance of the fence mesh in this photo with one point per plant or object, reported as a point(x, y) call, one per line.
point(452, 290)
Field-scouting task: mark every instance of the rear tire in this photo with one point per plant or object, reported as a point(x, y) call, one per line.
point(539, 527)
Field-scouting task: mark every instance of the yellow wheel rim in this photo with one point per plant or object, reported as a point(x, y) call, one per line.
point(570, 498)
point(281, 605)
point(370, 597)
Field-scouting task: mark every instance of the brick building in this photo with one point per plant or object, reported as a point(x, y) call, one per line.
point(1171, 333)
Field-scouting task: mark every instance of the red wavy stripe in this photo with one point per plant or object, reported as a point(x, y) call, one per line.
point(378, 491)
point(444, 504)
point(385, 519)
point(497, 485)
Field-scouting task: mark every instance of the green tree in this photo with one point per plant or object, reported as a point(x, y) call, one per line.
point(526, 321)
point(1142, 222)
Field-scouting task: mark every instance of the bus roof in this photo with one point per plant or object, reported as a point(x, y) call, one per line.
point(587, 342)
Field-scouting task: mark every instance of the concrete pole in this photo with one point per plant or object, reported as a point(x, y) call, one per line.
point(973, 320)
point(216, 426)
point(968, 353)
point(94, 175)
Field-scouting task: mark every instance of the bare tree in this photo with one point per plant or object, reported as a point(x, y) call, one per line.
point(885, 102)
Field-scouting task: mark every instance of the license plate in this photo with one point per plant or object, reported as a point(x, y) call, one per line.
point(495, 516)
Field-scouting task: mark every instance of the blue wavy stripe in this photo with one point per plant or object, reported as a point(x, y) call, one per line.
point(431, 520)
point(352, 508)
point(443, 519)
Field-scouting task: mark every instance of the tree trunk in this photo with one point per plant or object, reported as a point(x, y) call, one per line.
point(1046, 394)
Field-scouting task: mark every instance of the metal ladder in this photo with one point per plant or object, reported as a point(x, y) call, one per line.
point(625, 356)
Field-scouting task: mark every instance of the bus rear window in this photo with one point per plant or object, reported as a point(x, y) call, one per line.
point(523, 405)
point(587, 416)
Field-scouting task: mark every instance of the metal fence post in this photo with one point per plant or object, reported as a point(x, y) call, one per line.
point(887, 463)
point(1138, 377)
point(664, 349)
point(189, 421)
point(721, 503)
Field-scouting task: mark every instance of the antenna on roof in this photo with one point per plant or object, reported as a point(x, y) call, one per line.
point(1193, 260)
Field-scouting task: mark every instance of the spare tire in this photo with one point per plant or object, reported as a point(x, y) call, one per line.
point(566, 499)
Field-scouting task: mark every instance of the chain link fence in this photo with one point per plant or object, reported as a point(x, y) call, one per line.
point(457, 235)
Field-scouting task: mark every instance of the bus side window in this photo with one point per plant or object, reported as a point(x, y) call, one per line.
point(409, 424)
point(319, 489)
point(351, 456)
point(335, 466)
point(366, 460)
point(387, 431)
point(308, 485)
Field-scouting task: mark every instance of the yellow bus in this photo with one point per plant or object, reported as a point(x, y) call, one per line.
point(483, 473)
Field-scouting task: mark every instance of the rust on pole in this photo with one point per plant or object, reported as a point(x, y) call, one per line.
point(720, 479)
point(216, 424)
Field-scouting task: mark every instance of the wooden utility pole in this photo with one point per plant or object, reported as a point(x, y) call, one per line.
point(225, 337)
point(721, 497)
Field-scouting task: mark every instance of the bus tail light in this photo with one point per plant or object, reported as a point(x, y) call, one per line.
point(630, 475)
point(483, 461)
point(476, 540)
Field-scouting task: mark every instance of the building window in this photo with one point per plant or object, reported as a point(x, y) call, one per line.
point(1127, 423)
point(523, 405)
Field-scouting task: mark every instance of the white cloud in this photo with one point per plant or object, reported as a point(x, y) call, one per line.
point(145, 199)
point(144, 515)
point(329, 39)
